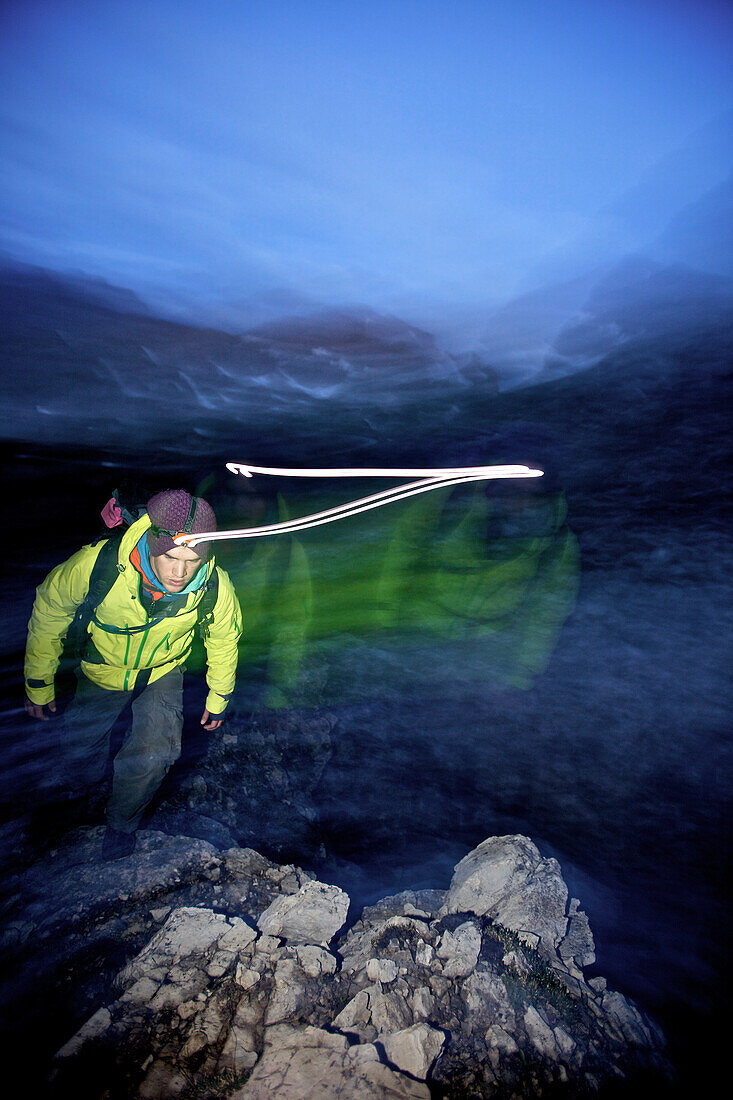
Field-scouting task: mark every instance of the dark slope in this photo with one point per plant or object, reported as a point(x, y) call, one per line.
point(90, 367)
point(640, 442)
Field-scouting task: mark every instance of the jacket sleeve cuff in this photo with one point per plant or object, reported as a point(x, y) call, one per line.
point(216, 704)
point(40, 695)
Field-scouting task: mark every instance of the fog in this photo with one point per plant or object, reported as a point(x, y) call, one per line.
point(430, 161)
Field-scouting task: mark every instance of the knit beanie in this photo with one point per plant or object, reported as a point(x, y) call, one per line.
point(176, 512)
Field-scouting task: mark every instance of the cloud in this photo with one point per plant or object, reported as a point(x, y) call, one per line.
point(425, 150)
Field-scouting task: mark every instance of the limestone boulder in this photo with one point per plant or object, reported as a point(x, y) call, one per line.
point(364, 941)
point(314, 961)
point(460, 950)
point(193, 946)
point(188, 931)
point(507, 879)
point(313, 915)
point(288, 998)
point(415, 1049)
point(309, 1063)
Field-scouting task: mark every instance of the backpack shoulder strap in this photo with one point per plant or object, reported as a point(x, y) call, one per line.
point(103, 575)
point(104, 571)
point(207, 603)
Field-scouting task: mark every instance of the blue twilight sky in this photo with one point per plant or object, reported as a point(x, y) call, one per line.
point(412, 155)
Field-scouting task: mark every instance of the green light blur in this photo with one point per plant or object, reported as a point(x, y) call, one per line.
point(459, 587)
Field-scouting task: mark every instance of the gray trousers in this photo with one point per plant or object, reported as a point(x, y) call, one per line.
point(150, 746)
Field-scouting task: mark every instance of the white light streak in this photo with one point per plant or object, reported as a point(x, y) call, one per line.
point(433, 478)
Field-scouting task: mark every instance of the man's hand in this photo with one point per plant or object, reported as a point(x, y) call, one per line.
point(210, 722)
point(37, 710)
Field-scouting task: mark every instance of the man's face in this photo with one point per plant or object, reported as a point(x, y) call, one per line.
point(176, 568)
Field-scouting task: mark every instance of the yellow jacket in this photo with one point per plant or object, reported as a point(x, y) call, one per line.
point(133, 640)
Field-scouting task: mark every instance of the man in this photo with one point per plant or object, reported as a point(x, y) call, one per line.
point(137, 642)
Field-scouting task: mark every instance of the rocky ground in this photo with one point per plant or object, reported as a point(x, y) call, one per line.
point(336, 788)
point(188, 971)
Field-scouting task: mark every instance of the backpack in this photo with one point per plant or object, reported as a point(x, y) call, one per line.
point(104, 574)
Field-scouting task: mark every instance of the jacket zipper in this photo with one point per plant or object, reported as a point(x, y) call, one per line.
point(141, 647)
point(155, 650)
